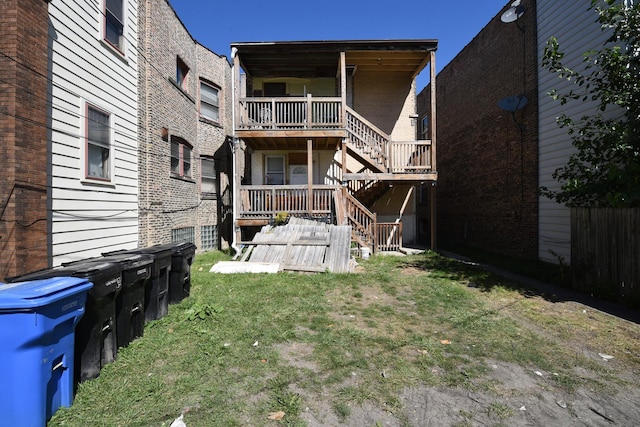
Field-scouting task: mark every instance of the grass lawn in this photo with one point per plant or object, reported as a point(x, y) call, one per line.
point(406, 341)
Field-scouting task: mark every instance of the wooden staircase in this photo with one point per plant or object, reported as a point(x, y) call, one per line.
point(368, 194)
point(349, 211)
point(370, 146)
point(382, 161)
point(366, 142)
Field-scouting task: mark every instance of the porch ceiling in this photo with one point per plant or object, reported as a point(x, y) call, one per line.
point(321, 58)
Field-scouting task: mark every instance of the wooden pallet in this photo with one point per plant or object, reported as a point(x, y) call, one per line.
point(303, 245)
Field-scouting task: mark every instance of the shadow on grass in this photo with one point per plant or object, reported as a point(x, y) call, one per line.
point(486, 276)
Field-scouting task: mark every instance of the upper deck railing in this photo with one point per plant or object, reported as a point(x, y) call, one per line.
point(290, 113)
point(372, 145)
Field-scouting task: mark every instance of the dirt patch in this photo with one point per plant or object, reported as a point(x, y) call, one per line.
point(298, 355)
point(522, 401)
point(519, 398)
point(602, 393)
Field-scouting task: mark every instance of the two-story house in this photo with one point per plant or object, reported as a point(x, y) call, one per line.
point(328, 130)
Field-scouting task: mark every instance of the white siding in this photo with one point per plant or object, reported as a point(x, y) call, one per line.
point(577, 32)
point(86, 218)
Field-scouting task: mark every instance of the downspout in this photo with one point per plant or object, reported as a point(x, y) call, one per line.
point(234, 151)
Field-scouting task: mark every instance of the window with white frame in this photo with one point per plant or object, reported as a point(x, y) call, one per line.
point(182, 71)
point(274, 170)
point(114, 23)
point(209, 102)
point(208, 180)
point(98, 144)
point(180, 157)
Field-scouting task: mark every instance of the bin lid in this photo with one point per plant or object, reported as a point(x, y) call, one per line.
point(156, 252)
point(130, 260)
point(95, 270)
point(38, 293)
point(178, 248)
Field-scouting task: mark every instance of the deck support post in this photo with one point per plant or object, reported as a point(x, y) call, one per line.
point(432, 205)
point(310, 176)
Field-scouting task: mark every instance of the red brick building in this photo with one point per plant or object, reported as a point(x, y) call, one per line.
point(487, 194)
point(23, 135)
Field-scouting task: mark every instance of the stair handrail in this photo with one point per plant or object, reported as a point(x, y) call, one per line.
point(361, 220)
point(365, 135)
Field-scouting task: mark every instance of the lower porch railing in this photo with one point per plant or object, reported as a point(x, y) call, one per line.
point(389, 236)
point(266, 201)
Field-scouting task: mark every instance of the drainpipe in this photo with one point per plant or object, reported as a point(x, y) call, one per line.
point(234, 150)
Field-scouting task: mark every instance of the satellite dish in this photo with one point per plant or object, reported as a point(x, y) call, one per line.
point(513, 103)
point(513, 13)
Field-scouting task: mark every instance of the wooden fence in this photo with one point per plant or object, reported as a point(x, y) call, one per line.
point(605, 252)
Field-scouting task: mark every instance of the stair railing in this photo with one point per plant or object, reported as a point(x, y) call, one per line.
point(362, 220)
point(367, 140)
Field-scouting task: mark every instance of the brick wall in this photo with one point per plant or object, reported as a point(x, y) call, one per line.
point(387, 101)
point(23, 136)
point(487, 169)
point(168, 202)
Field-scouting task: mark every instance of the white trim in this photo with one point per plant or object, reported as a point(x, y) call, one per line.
point(122, 49)
point(84, 178)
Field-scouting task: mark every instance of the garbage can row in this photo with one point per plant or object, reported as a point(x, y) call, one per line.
point(113, 295)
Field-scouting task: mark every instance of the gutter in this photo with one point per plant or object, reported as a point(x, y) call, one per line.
point(234, 149)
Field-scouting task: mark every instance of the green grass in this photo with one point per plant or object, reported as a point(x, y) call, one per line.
point(555, 273)
point(246, 345)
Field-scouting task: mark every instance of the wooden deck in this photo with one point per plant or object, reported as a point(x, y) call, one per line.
point(303, 245)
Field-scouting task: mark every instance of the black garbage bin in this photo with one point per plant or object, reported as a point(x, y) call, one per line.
point(180, 278)
point(136, 271)
point(95, 336)
point(156, 295)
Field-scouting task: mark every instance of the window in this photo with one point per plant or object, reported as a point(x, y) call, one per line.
point(209, 102)
point(186, 234)
point(180, 157)
point(274, 170)
point(98, 144)
point(424, 128)
point(114, 23)
point(181, 73)
point(208, 179)
point(209, 237)
point(273, 89)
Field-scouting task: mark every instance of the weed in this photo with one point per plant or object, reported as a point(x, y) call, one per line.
point(201, 312)
point(342, 410)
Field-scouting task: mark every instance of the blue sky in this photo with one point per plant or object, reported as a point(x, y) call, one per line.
point(218, 23)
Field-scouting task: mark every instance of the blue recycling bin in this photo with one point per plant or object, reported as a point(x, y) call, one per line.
point(95, 344)
point(37, 331)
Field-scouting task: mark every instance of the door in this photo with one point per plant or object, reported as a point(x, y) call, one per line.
point(298, 174)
